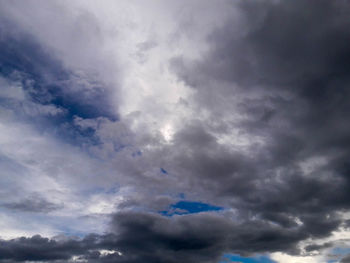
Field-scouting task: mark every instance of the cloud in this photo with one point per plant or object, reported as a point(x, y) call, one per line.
point(38, 248)
point(145, 236)
point(197, 237)
point(141, 236)
point(123, 110)
point(272, 78)
point(33, 204)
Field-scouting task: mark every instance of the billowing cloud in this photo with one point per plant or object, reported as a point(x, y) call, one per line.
point(193, 131)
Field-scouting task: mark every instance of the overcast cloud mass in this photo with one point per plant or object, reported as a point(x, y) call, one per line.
point(175, 131)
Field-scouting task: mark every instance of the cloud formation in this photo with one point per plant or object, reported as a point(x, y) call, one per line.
point(174, 132)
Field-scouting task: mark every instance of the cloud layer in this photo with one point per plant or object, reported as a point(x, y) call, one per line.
point(174, 132)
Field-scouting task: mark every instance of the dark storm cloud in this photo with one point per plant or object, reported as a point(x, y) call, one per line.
point(38, 248)
point(345, 259)
point(200, 237)
point(145, 237)
point(153, 238)
point(285, 71)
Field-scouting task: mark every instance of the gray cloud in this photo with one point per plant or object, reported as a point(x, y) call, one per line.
point(139, 236)
point(200, 237)
point(38, 248)
point(33, 203)
point(265, 136)
point(284, 70)
point(151, 237)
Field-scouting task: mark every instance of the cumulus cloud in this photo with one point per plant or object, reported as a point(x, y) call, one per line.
point(119, 112)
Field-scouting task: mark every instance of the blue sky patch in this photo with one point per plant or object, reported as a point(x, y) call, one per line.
point(257, 259)
point(339, 252)
point(189, 207)
point(163, 171)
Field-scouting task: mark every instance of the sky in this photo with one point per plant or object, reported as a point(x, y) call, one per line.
point(168, 131)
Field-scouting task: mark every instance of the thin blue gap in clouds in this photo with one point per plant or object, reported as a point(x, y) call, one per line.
point(227, 258)
point(163, 171)
point(189, 207)
point(339, 252)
